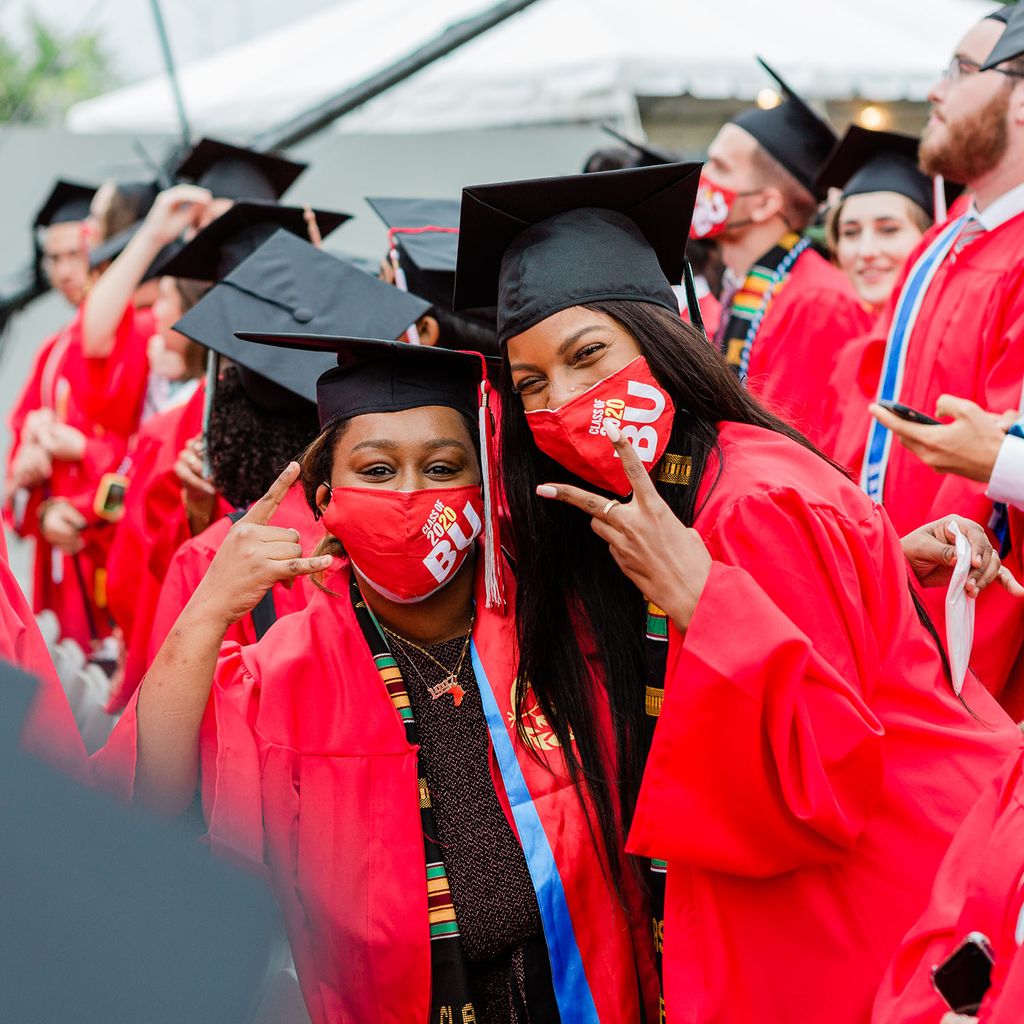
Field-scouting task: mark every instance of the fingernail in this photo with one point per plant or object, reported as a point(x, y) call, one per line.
point(324, 560)
point(611, 428)
point(547, 491)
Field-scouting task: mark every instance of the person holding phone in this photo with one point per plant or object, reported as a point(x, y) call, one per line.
point(955, 324)
point(810, 760)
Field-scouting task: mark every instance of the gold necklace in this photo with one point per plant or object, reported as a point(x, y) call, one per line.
point(450, 682)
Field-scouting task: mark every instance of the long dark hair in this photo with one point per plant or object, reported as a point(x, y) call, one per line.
point(568, 583)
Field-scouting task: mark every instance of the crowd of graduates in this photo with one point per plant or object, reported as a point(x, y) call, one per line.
point(571, 613)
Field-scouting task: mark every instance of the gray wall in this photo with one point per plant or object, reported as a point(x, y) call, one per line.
point(344, 169)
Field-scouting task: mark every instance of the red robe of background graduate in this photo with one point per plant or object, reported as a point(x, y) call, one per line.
point(968, 341)
point(313, 774)
point(810, 319)
point(978, 889)
point(59, 382)
point(811, 761)
point(153, 497)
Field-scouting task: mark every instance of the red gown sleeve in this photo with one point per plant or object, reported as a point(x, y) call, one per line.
point(114, 386)
point(50, 730)
point(232, 790)
point(767, 701)
point(969, 894)
point(228, 755)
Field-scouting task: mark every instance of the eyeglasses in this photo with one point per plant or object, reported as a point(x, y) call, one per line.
point(961, 67)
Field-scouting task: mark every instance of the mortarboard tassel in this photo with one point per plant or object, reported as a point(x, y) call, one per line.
point(692, 302)
point(494, 581)
point(401, 283)
point(212, 366)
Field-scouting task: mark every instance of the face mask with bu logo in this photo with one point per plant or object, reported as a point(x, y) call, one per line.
point(574, 436)
point(406, 544)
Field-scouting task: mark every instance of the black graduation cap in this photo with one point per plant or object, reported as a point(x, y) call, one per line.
point(288, 286)
point(425, 236)
point(234, 172)
point(871, 161)
point(536, 247)
point(372, 375)
point(67, 203)
point(236, 234)
point(792, 132)
point(109, 916)
point(650, 156)
point(425, 233)
point(1011, 42)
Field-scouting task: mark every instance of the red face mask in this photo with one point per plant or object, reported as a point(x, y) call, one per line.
point(574, 434)
point(406, 544)
point(712, 209)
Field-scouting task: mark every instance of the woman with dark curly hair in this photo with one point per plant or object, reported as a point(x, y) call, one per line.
point(810, 759)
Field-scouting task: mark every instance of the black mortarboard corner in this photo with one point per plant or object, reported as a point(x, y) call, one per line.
point(236, 234)
point(870, 161)
point(288, 286)
point(648, 155)
point(540, 246)
point(792, 132)
point(109, 916)
point(67, 203)
point(423, 236)
point(1011, 42)
point(234, 172)
point(374, 375)
point(1003, 14)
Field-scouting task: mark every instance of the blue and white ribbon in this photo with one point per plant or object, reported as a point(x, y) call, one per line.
point(572, 991)
point(876, 458)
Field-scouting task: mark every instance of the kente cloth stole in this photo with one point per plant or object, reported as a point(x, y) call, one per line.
point(673, 469)
point(751, 301)
point(450, 998)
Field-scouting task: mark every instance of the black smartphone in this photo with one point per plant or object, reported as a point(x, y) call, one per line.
point(964, 977)
point(906, 413)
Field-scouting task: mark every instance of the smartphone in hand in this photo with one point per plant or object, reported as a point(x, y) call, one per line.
point(906, 413)
point(964, 977)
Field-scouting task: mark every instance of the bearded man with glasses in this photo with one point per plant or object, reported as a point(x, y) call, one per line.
point(955, 323)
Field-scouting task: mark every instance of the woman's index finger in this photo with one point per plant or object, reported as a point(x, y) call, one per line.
point(261, 510)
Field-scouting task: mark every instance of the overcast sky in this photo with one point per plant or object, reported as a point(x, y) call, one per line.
point(196, 28)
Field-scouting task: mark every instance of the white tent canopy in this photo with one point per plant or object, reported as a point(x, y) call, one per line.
point(559, 61)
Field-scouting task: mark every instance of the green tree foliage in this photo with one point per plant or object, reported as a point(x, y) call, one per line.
point(46, 73)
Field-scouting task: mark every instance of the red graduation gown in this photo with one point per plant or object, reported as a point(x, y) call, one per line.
point(50, 729)
point(115, 385)
point(978, 888)
point(809, 321)
point(59, 381)
point(153, 497)
point(968, 341)
point(853, 385)
point(312, 775)
point(811, 760)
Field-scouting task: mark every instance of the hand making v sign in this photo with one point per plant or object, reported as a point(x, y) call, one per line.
point(666, 560)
